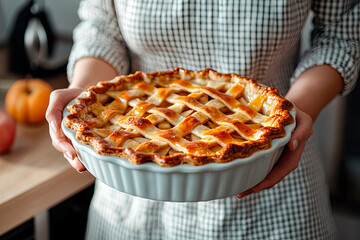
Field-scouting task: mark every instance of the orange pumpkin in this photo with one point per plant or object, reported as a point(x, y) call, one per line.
point(27, 100)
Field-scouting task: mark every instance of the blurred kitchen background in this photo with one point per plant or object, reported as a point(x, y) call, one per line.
point(338, 127)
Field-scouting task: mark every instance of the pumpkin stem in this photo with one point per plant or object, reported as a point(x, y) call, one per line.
point(28, 90)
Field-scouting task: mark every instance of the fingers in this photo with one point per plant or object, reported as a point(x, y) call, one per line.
point(302, 131)
point(75, 163)
point(63, 145)
point(58, 100)
point(287, 163)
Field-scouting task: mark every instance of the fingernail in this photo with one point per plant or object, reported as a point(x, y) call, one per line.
point(243, 194)
point(82, 170)
point(68, 156)
point(53, 126)
point(239, 196)
point(295, 144)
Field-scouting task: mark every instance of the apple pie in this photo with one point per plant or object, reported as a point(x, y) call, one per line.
point(179, 116)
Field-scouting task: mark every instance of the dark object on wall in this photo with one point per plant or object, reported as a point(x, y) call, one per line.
point(32, 42)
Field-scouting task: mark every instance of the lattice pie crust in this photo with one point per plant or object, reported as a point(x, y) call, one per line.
point(179, 116)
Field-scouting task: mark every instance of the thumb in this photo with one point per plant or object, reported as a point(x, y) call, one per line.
point(58, 99)
point(302, 131)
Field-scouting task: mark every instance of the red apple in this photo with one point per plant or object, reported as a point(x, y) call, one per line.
point(7, 131)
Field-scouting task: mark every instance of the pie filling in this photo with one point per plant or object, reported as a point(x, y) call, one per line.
point(179, 116)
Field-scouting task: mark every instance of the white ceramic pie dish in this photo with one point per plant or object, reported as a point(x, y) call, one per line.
point(182, 183)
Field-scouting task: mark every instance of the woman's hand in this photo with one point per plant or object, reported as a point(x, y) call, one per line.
point(87, 71)
point(58, 100)
point(290, 158)
point(310, 93)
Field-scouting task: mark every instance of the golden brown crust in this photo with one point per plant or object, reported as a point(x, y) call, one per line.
point(179, 116)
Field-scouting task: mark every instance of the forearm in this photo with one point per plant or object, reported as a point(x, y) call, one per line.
point(88, 71)
point(315, 88)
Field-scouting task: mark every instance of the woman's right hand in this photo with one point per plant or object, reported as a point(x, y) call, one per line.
point(58, 100)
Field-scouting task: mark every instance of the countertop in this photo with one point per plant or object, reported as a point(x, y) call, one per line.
point(33, 175)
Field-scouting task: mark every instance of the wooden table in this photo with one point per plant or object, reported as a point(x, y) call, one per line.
point(34, 177)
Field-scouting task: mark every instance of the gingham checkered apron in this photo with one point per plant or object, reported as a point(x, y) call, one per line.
point(256, 39)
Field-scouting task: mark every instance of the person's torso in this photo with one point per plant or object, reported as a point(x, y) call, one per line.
point(257, 39)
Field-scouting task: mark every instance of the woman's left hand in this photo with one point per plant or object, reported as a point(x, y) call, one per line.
point(290, 158)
